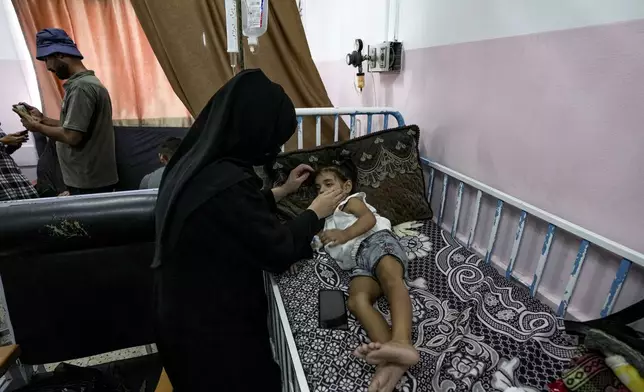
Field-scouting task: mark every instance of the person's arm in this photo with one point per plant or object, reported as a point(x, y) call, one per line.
point(145, 181)
point(366, 219)
point(80, 103)
point(269, 196)
point(58, 133)
point(37, 115)
point(50, 121)
point(279, 193)
point(273, 196)
point(245, 214)
point(11, 143)
point(365, 222)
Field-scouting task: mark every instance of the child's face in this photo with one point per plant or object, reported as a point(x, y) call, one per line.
point(329, 181)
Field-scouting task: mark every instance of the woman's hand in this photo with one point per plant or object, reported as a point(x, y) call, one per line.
point(326, 203)
point(295, 179)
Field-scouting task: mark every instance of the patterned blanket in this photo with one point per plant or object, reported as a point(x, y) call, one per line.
point(475, 330)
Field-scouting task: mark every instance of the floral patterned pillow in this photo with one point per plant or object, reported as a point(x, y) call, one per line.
point(388, 167)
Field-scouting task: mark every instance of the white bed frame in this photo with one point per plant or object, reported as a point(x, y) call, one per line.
point(285, 349)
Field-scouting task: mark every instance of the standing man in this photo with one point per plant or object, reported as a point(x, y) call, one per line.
point(13, 184)
point(84, 134)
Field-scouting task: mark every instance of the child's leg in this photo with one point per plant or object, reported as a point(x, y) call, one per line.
point(391, 276)
point(399, 350)
point(364, 291)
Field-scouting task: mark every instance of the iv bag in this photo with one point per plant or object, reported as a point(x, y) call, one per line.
point(254, 21)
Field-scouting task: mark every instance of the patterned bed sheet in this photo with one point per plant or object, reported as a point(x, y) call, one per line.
point(475, 330)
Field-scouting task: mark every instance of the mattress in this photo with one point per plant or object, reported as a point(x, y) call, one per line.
point(474, 330)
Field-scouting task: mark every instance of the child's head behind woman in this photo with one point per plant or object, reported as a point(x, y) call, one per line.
point(330, 178)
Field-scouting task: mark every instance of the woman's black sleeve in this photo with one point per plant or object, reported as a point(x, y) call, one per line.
point(246, 214)
point(270, 199)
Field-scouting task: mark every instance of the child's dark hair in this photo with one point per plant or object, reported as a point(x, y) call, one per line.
point(345, 171)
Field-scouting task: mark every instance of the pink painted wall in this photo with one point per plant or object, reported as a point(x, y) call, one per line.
point(552, 118)
point(18, 84)
point(14, 90)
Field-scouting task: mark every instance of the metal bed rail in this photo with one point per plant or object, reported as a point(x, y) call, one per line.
point(282, 341)
point(586, 237)
point(371, 114)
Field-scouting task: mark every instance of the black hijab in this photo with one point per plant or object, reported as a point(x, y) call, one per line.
point(243, 125)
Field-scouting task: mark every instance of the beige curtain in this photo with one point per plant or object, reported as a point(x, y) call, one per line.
point(189, 39)
point(110, 38)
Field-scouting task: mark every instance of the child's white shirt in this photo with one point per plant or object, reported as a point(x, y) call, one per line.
point(345, 254)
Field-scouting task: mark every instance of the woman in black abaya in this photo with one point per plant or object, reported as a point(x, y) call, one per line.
point(216, 234)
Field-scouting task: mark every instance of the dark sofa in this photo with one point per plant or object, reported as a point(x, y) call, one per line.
point(76, 273)
point(75, 270)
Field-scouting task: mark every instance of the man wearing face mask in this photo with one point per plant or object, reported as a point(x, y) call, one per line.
point(84, 134)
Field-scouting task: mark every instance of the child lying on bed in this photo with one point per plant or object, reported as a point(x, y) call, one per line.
point(360, 240)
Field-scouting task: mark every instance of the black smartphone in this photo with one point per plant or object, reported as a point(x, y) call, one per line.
point(332, 310)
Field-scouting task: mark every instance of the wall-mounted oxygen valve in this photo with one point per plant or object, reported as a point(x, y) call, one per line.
point(383, 57)
point(356, 59)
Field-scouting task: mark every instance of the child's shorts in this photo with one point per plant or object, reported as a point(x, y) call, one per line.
point(373, 249)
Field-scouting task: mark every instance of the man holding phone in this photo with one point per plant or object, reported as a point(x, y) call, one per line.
point(84, 134)
point(13, 184)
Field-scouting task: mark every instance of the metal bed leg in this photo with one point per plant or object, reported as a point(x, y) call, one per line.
point(282, 341)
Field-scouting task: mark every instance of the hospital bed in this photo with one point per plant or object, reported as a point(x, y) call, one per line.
point(491, 316)
point(501, 270)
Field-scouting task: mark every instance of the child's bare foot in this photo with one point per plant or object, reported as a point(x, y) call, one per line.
point(386, 377)
point(364, 349)
point(396, 352)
